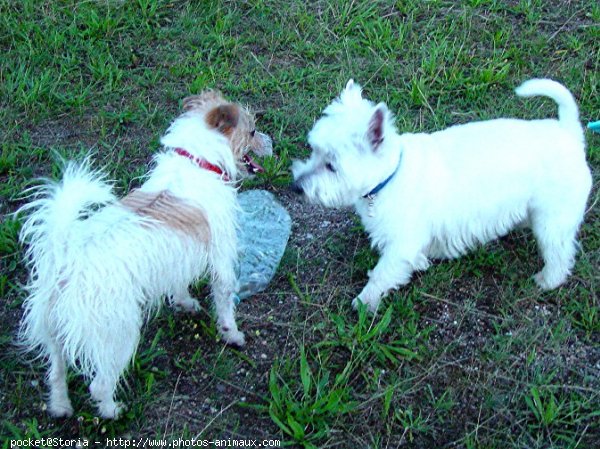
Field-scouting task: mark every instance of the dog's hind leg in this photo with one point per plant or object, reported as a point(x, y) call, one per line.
point(112, 358)
point(59, 404)
point(556, 238)
point(183, 300)
point(103, 389)
point(39, 329)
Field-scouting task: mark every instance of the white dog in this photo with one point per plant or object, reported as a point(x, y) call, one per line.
point(427, 196)
point(99, 265)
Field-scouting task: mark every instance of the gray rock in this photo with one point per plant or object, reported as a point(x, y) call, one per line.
point(264, 229)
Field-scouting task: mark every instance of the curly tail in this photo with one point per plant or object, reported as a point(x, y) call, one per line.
point(56, 206)
point(568, 112)
point(54, 209)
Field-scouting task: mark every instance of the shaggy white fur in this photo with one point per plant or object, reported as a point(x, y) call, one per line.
point(99, 265)
point(425, 196)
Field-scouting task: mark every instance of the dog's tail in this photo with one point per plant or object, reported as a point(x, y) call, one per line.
point(56, 206)
point(568, 112)
point(50, 216)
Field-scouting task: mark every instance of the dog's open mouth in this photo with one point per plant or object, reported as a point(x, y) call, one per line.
point(251, 165)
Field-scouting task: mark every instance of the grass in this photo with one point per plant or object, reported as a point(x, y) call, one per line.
point(468, 355)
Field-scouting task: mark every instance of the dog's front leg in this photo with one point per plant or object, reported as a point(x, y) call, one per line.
point(392, 271)
point(224, 287)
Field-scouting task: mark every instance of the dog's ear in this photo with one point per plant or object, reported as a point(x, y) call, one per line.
point(351, 93)
point(376, 126)
point(224, 118)
point(353, 88)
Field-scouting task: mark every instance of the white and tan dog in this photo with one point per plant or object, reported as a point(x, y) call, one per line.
point(100, 264)
point(428, 196)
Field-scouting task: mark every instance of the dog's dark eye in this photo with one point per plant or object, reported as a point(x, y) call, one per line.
point(252, 133)
point(330, 167)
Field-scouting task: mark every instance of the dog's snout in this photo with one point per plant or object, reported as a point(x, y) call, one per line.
point(297, 188)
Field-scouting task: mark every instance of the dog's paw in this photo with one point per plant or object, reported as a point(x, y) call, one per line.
point(233, 337)
point(191, 306)
point(370, 305)
point(111, 410)
point(186, 304)
point(60, 410)
point(546, 284)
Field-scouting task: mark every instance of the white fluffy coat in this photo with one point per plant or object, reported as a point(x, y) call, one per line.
point(452, 189)
point(98, 267)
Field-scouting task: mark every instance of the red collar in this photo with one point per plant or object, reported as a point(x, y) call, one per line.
point(202, 163)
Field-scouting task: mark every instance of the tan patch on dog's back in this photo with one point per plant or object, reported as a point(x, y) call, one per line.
point(169, 210)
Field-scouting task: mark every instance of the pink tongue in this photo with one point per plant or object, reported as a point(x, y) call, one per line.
point(252, 166)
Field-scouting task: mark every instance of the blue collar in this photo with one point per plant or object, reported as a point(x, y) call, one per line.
point(382, 184)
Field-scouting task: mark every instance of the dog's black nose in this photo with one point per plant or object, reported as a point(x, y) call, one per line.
point(296, 188)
